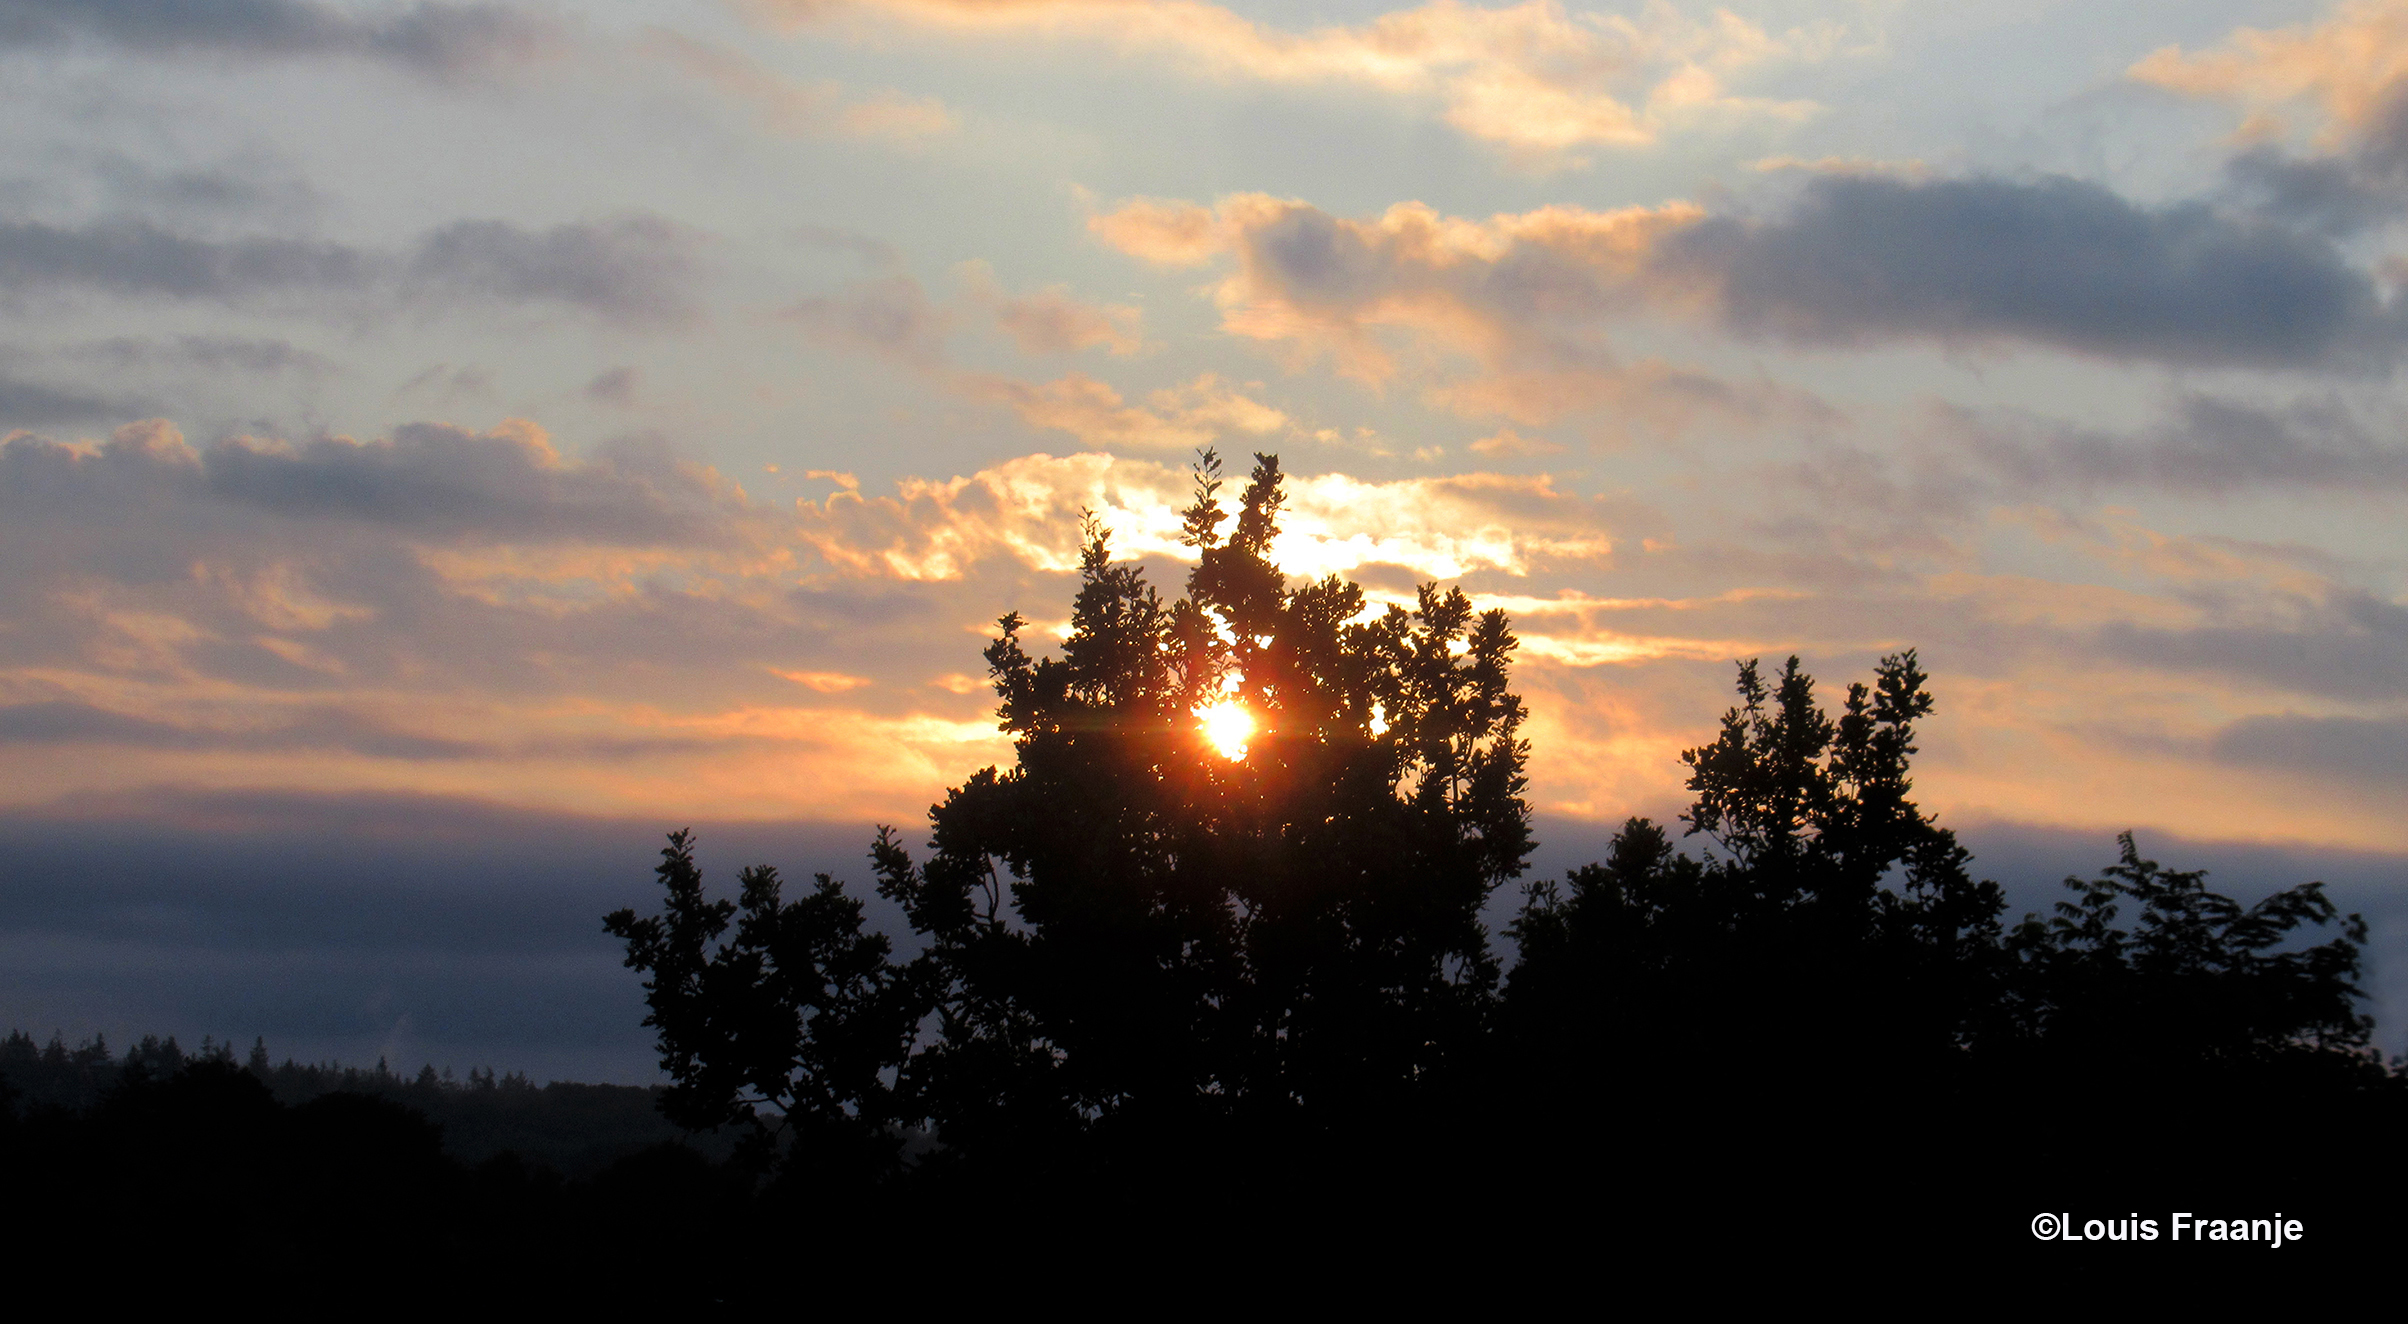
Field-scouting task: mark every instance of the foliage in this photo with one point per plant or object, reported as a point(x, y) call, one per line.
point(1837, 915)
point(575, 1129)
point(149, 1192)
point(2199, 983)
point(1130, 929)
point(1837, 922)
point(1142, 941)
point(786, 1022)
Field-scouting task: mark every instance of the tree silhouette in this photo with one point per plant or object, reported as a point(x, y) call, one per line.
point(1825, 992)
point(1230, 886)
point(1223, 911)
point(2200, 989)
point(1835, 931)
point(1235, 872)
point(782, 1029)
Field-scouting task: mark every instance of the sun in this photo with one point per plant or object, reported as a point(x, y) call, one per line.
point(1227, 725)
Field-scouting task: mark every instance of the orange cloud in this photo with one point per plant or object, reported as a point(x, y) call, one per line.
point(2349, 64)
point(1530, 77)
point(1511, 445)
point(443, 612)
point(1028, 510)
point(1522, 297)
point(812, 108)
point(1052, 320)
point(826, 682)
point(1175, 418)
point(1171, 232)
point(1329, 285)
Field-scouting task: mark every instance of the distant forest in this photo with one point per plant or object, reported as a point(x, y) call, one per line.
point(1206, 965)
point(574, 1129)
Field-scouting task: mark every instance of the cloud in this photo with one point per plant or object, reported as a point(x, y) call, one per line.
point(429, 480)
point(1524, 298)
point(209, 353)
point(448, 384)
point(1529, 78)
point(246, 183)
point(2348, 645)
point(443, 41)
point(63, 722)
point(636, 269)
point(2209, 446)
point(813, 108)
point(2350, 64)
point(891, 316)
point(894, 318)
point(433, 479)
point(2336, 196)
point(613, 386)
point(2250, 616)
point(1028, 510)
point(1511, 445)
point(1179, 418)
point(136, 257)
point(1509, 289)
point(1857, 260)
point(479, 614)
point(2053, 261)
point(826, 682)
point(1052, 320)
point(2348, 76)
point(444, 609)
point(871, 251)
point(29, 404)
point(1171, 232)
point(2357, 750)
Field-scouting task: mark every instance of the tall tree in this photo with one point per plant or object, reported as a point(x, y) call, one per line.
point(1236, 868)
point(1830, 924)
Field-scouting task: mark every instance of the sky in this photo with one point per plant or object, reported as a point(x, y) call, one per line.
point(448, 444)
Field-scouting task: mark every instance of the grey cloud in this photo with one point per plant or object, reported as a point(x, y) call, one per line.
point(60, 721)
point(873, 252)
point(321, 921)
point(891, 315)
point(440, 40)
point(2332, 195)
point(213, 353)
point(447, 383)
point(2362, 186)
point(136, 257)
point(613, 386)
point(629, 268)
point(333, 567)
point(431, 478)
point(250, 184)
point(26, 404)
point(428, 479)
point(2209, 445)
point(2354, 749)
point(2057, 261)
point(57, 721)
point(1850, 261)
point(2352, 647)
point(325, 922)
